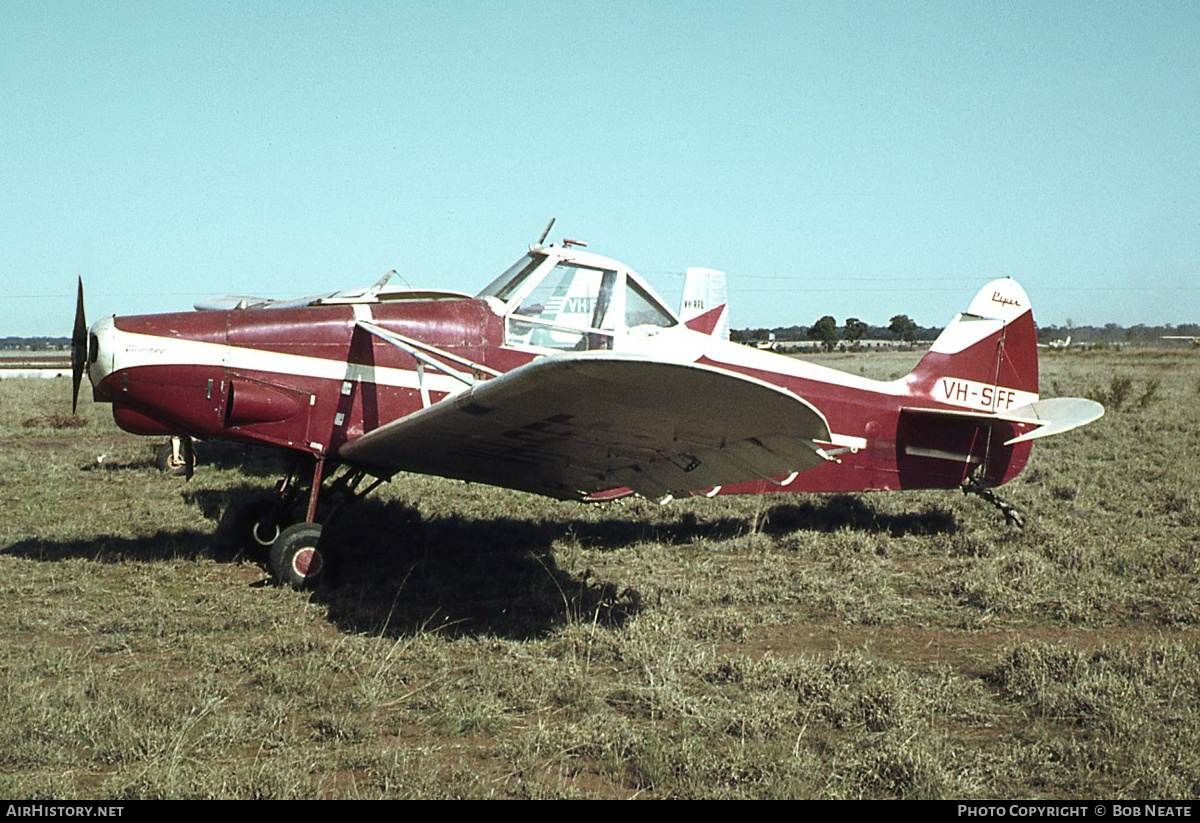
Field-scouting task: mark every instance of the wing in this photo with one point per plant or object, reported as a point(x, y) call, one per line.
point(569, 425)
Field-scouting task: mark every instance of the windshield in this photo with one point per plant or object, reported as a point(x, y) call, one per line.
point(503, 286)
point(578, 303)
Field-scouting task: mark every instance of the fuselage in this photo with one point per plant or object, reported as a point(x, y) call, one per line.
point(309, 379)
point(315, 376)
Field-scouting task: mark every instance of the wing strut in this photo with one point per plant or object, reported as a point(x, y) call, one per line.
point(424, 353)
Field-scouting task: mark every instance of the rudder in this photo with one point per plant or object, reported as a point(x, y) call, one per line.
point(986, 358)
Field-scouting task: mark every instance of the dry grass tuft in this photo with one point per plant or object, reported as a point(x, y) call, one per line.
point(56, 421)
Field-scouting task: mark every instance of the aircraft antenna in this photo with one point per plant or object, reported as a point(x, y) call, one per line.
point(546, 233)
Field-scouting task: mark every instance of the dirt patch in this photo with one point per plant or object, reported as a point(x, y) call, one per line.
point(56, 421)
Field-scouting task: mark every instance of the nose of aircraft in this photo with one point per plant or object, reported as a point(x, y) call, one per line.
point(101, 352)
point(91, 349)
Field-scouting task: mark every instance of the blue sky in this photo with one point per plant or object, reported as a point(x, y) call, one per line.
point(854, 159)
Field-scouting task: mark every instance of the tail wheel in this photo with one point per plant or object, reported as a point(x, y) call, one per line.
point(296, 557)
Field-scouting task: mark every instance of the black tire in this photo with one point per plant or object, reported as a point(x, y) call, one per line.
point(297, 559)
point(164, 459)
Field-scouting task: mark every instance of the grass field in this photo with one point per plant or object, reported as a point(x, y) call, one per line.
point(485, 643)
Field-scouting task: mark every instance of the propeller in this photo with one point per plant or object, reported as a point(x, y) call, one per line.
point(79, 348)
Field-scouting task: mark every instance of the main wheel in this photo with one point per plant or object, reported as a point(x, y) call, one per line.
point(296, 557)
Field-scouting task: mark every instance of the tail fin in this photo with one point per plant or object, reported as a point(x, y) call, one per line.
point(705, 306)
point(986, 359)
point(982, 374)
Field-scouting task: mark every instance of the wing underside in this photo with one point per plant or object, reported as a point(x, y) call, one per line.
point(568, 426)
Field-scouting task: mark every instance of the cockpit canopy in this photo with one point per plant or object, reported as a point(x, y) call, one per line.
point(565, 299)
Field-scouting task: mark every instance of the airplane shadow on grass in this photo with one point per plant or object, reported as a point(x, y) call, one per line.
point(847, 511)
point(398, 574)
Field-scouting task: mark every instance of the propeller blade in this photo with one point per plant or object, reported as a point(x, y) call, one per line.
point(79, 348)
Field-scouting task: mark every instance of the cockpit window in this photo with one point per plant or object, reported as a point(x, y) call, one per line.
point(571, 296)
point(569, 309)
point(503, 287)
point(642, 310)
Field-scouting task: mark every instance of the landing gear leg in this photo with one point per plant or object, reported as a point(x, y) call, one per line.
point(975, 485)
point(285, 529)
point(297, 558)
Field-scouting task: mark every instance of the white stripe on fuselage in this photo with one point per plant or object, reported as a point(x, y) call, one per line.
point(736, 354)
point(976, 396)
point(126, 350)
point(969, 394)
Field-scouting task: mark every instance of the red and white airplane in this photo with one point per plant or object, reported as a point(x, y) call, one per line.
point(569, 377)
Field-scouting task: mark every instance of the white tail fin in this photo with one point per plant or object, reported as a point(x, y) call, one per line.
point(705, 305)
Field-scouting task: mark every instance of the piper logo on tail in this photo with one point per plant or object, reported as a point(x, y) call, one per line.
point(971, 394)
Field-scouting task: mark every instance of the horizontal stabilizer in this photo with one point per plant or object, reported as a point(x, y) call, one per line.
point(1054, 416)
point(1057, 415)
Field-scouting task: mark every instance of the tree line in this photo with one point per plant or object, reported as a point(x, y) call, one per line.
point(826, 331)
point(1111, 333)
point(902, 329)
